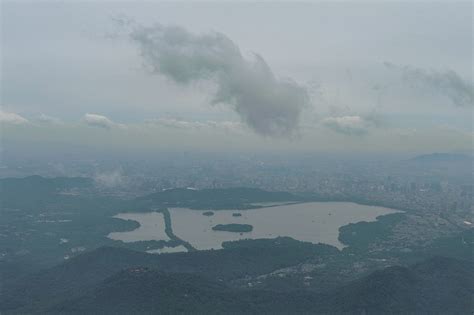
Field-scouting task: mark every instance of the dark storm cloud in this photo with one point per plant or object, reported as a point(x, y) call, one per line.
point(267, 104)
point(448, 83)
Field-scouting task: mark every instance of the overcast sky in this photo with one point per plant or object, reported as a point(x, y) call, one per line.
point(392, 76)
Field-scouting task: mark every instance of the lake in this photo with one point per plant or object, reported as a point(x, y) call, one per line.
point(316, 222)
point(152, 228)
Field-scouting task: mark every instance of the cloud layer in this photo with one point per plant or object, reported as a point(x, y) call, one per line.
point(268, 105)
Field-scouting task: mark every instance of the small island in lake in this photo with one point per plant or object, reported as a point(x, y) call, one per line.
point(208, 213)
point(239, 228)
point(236, 214)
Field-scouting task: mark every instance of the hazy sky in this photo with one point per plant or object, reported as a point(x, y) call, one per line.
point(392, 76)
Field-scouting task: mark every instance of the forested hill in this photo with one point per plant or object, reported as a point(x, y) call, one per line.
point(436, 286)
point(439, 285)
point(88, 270)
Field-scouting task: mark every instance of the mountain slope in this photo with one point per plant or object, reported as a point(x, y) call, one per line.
point(85, 271)
point(143, 291)
point(174, 284)
point(436, 286)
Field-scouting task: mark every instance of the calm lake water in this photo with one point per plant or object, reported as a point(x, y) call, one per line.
point(152, 227)
point(316, 222)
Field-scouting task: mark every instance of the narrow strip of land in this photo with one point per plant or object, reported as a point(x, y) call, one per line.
point(169, 231)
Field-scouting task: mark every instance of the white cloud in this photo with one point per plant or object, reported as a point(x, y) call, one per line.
point(176, 123)
point(197, 125)
point(349, 125)
point(12, 118)
point(100, 121)
point(45, 119)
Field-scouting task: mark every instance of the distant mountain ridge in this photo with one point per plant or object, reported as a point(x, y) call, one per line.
point(442, 157)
